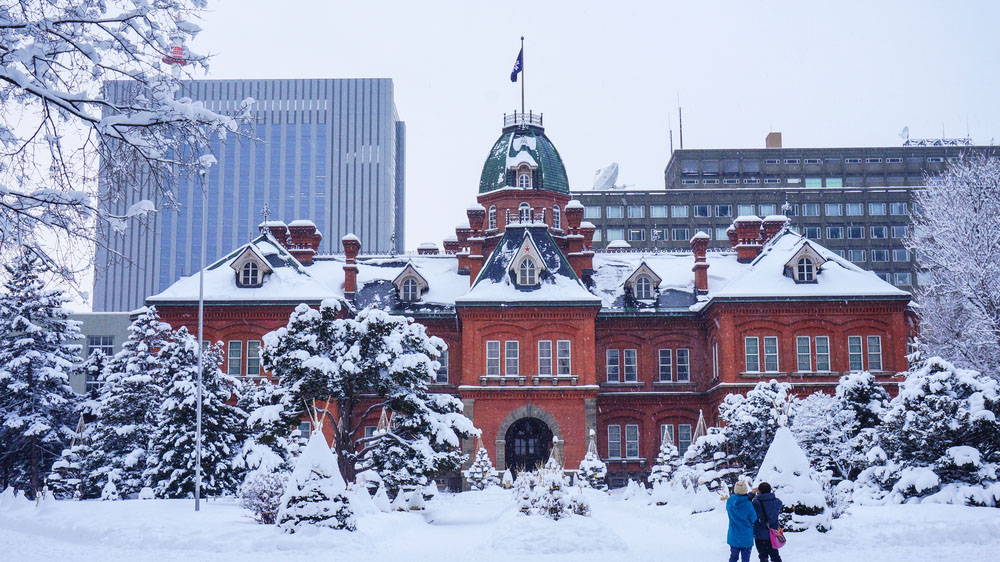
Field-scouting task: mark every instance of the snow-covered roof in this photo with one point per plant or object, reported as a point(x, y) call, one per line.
point(676, 287)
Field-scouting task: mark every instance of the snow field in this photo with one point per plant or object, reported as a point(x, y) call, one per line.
point(481, 526)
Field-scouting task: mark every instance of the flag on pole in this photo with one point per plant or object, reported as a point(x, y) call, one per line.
point(518, 65)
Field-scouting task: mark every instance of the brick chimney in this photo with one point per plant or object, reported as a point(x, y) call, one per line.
point(747, 238)
point(772, 225)
point(427, 249)
point(773, 140)
point(477, 216)
point(699, 247)
point(277, 229)
point(452, 245)
point(352, 245)
point(304, 240)
point(574, 214)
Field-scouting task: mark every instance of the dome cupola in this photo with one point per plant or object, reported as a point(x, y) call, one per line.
point(523, 158)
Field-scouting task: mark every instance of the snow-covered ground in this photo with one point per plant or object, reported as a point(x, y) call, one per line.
point(480, 526)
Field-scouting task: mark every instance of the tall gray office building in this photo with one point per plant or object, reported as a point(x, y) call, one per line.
point(327, 150)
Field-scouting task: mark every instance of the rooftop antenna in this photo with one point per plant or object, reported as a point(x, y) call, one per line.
point(670, 130)
point(680, 120)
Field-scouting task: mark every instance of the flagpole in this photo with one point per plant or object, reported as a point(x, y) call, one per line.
point(522, 75)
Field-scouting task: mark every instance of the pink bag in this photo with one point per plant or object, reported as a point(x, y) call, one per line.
point(777, 538)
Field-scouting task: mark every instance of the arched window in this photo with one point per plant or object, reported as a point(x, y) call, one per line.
point(410, 292)
point(524, 177)
point(556, 217)
point(805, 271)
point(643, 288)
point(527, 273)
point(250, 275)
point(524, 212)
point(492, 218)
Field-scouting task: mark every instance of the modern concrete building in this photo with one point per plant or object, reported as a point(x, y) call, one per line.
point(855, 201)
point(104, 331)
point(328, 149)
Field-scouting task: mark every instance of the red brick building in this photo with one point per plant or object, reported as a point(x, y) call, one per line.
point(548, 339)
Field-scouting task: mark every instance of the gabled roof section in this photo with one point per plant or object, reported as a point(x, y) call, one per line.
point(249, 254)
point(558, 285)
point(527, 249)
point(806, 250)
point(524, 144)
point(644, 269)
point(410, 271)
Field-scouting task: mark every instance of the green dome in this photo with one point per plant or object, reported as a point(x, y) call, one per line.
point(524, 143)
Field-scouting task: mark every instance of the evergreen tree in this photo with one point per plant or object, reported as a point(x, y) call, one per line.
point(91, 371)
point(316, 494)
point(270, 445)
point(751, 420)
point(36, 357)
point(786, 467)
point(171, 462)
point(666, 462)
point(129, 400)
point(707, 465)
point(481, 474)
point(593, 472)
point(865, 398)
point(821, 428)
point(66, 479)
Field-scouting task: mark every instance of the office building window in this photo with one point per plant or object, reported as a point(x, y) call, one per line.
point(834, 209)
point(612, 365)
point(794, 180)
point(855, 232)
point(616, 233)
point(104, 344)
point(835, 182)
point(810, 209)
point(855, 209)
point(772, 161)
point(588, 213)
point(791, 160)
point(614, 212)
point(855, 355)
point(904, 279)
point(564, 365)
point(688, 181)
point(636, 234)
point(658, 211)
point(630, 366)
point(812, 232)
point(887, 277)
point(876, 209)
point(897, 208)
point(814, 182)
point(852, 160)
point(614, 441)
point(767, 209)
point(835, 232)
point(803, 354)
point(723, 210)
point(683, 365)
point(900, 254)
point(636, 211)
point(880, 255)
point(493, 358)
point(880, 232)
point(679, 211)
point(666, 370)
point(681, 234)
point(710, 181)
point(544, 357)
point(731, 181)
point(702, 211)
point(657, 234)
point(745, 210)
point(856, 256)
point(900, 231)
point(874, 353)
point(234, 358)
point(512, 365)
point(631, 441)
point(720, 233)
point(598, 236)
point(253, 358)
point(772, 180)
point(752, 181)
point(751, 352)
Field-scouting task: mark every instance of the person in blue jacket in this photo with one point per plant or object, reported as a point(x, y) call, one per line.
point(767, 507)
point(741, 519)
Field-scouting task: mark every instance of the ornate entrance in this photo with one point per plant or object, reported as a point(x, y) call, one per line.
point(528, 442)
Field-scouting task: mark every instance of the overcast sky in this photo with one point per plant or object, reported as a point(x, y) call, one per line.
point(607, 76)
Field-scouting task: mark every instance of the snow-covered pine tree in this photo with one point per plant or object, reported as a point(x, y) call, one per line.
point(362, 364)
point(36, 357)
point(707, 464)
point(171, 461)
point(593, 472)
point(316, 493)
point(941, 435)
point(666, 462)
point(865, 398)
point(481, 473)
point(261, 494)
point(66, 479)
point(129, 401)
point(821, 428)
point(751, 420)
point(271, 443)
point(90, 371)
point(786, 468)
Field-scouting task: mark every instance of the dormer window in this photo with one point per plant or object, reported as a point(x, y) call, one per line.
point(805, 272)
point(524, 212)
point(491, 220)
point(250, 275)
point(556, 217)
point(410, 285)
point(527, 273)
point(524, 177)
point(643, 288)
point(410, 291)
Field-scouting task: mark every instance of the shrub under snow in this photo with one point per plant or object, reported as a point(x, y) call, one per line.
point(261, 495)
point(316, 493)
point(546, 492)
point(795, 483)
point(481, 474)
point(593, 472)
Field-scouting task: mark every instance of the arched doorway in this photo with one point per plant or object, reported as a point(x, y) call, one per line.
point(528, 443)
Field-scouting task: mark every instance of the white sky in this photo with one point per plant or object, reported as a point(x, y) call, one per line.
point(608, 74)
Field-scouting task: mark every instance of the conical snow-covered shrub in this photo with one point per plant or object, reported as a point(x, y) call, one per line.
point(315, 494)
point(65, 481)
point(666, 462)
point(593, 473)
point(507, 482)
point(481, 473)
point(381, 500)
point(795, 483)
point(634, 491)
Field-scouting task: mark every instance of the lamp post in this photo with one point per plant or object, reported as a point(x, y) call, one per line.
point(201, 341)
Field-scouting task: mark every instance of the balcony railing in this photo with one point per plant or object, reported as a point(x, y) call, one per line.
point(522, 119)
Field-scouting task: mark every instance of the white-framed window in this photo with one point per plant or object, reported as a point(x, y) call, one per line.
point(305, 428)
point(411, 291)
point(855, 209)
point(614, 441)
point(630, 367)
point(564, 362)
point(370, 431)
point(253, 358)
point(834, 210)
point(770, 354)
point(898, 208)
point(900, 254)
point(631, 441)
point(880, 232)
point(493, 358)
point(591, 212)
point(679, 211)
point(615, 212)
point(104, 344)
point(855, 232)
point(804, 271)
point(544, 357)
point(666, 365)
point(822, 353)
point(683, 437)
point(876, 209)
point(683, 365)
point(874, 353)
point(524, 212)
point(441, 377)
point(612, 365)
point(524, 178)
point(803, 354)
point(527, 273)
point(556, 217)
point(250, 274)
point(715, 361)
point(636, 211)
point(491, 218)
point(745, 209)
point(702, 210)
point(835, 232)
point(658, 211)
point(751, 352)
point(512, 364)
point(903, 278)
point(667, 432)
point(636, 234)
point(855, 355)
point(234, 358)
point(643, 287)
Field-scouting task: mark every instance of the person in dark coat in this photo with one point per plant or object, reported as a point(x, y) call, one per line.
point(741, 519)
point(767, 507)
